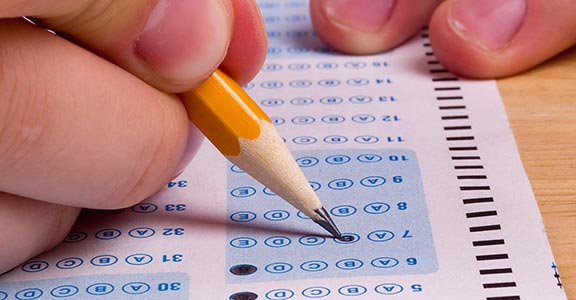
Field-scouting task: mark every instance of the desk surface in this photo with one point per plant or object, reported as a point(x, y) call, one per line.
point(541, 106)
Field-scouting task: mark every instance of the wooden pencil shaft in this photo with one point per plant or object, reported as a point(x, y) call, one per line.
point(241, 131)
point(224, 112)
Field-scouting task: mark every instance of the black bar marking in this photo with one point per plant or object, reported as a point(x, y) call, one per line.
point(492, 257)
point(461, 117)
point(450, 98)
point(465, 157)
point(475, 188)
point(472, 148)
point(488, 243)
point(445, 79)
point(460, 138)
point(447, 88)
point(433, 62)
point(504, 298)
point(461, 177)
point(485, 228)
point(444, 107)
point(495, 271)
point(433, 71)
point(496, 285)
point(475, 167)
point(480, 214)
point(478, 200)
point(457, 127)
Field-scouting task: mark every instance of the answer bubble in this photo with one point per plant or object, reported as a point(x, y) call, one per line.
point(64, 291)
point(244, 269)
point(243, 296)
point(347, 238)
point(74, 237)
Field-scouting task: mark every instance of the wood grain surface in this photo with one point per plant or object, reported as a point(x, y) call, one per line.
point(541, 106)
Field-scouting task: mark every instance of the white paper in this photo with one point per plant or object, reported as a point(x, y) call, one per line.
point(419, 165)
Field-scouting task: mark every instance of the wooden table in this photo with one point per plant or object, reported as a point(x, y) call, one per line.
point(541, 106)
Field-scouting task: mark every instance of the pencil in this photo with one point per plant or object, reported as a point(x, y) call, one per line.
point(245, 135)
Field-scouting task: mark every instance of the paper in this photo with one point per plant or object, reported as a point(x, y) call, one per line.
point(418, 166)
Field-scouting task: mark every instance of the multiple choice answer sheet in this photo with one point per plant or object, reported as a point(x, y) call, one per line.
point(418, 168)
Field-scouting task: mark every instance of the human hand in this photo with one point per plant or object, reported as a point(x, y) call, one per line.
point(92, 121)
point(472, 38)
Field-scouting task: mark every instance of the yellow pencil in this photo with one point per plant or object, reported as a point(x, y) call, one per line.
point(244, 134)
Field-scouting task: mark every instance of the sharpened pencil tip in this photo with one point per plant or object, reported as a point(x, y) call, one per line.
point(327, 223)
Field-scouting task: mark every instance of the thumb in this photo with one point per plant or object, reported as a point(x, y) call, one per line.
point(368, 26)
point(496, 38)
point(171, 44)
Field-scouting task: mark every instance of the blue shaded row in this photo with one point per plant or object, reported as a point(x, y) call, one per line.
point(335, 184)
point(344, 210)
point(118, 286)
point(71, 290)
point(347, 264)
point(279, 241)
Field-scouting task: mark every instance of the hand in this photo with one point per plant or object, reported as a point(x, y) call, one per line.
point(472, 38)
point(91, 120)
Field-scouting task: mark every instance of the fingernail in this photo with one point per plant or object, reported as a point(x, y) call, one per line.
point(364, 15)
point(194, 142)
point(185, 40)
point(491, 24)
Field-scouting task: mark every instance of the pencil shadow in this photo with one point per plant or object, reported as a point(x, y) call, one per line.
point(217, 223)
point(208, 222)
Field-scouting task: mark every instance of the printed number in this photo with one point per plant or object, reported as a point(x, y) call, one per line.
point(402, 205)
point(175, 207)
point(411, 261)
point(172, 258)
point(387, 98)
point(169, 286)
point(397, 158)
point(397, 179)
point(179, 183)
point(416, 288)
point(173, 231)
point(391, 118)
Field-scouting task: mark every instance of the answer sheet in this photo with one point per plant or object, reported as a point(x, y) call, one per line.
point(417, 166)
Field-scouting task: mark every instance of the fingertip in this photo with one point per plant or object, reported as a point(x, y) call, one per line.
point(183, 42)
point(492, 39)
point(459, 51)
point(450, 50)
point(351, 26)
point(366, 26)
